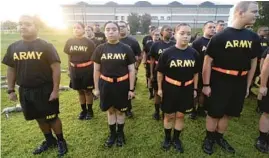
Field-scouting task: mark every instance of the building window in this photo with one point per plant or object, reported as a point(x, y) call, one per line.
point(168, 18)
point(162, 18)
point(154, 17)
point(117, 17)
point(122, 17)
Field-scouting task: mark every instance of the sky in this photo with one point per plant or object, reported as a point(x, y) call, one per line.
point(50, 10)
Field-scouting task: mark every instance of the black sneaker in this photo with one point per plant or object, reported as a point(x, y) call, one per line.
point(129, 114)
point(178, 145)
point(89, 115)
point(45, 146)
point(166, 144)
point(193, 115)
point(201, 111)
point(82, 115)
point(62, 148)
point(262, 146)
point(110, 141)
point(208, 146)
point(156, 116)
point(120, 139)
point(225, 145)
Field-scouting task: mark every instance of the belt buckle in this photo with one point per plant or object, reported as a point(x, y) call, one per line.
point(228, 72)
point(114, 80)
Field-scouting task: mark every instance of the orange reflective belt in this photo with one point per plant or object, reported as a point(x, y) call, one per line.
point(178, 83)
point(230, 72)
point(119, 79)
point(81, 64)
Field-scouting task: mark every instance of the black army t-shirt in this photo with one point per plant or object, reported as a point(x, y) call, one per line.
point(100, 36)
point(264, 44)
point(95, 41)
point(147, 49)
point(114, 59)
point(200, 46)
point(158, 47)
point(264, 54)
point(132, 42)
point(145, 40)
point(80, 50)
point(179, 64)
point(31, 61)
point(233, 49)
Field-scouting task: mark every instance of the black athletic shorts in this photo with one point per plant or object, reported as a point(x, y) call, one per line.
point(114, 95)
point(35, 102)
point(227, 95)
point(265, 103)
point(82, 78)
point(177, 99)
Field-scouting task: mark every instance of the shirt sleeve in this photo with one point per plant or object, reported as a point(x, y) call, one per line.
point(198, 65)
point(67, 47)
point(195, 45)
point(52, 56)
point(96, 56)
point(211, 51)
point(130, 56)
point(144, 42)
point(91, 47)
point(8, 58)
point(161, 63)
point(152, 52)
point(264, 54)
point(256, 48)
point(136, 48)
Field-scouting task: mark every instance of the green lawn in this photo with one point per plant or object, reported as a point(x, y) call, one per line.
point(143, 134)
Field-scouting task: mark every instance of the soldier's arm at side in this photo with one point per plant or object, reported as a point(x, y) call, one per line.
point(11, 78)
point(96, 75)
point(265, 72)
point(207, 69)
point(261, 63)
point(131, 69)
point(195, 79)
point(56, 75)
point(159, 80)
point(251, 71)
point(152, 61)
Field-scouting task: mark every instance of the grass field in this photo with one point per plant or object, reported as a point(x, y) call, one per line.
point(143, 134)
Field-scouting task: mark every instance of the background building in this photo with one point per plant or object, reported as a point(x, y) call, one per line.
point(171, 14)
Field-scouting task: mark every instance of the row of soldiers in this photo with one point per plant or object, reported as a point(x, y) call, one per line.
point(216, 72)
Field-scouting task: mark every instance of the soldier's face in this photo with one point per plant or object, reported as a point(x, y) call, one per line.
point(96, 28)
point(27, 27)
point(167, 32)
point(123, 29)
point(78, 30)
point(183, 35)
point(111, 32)
point(251, 14)
point(156, 36)
point(264, 31)
point(89, 32)
point(210, 29)
point(220, 26)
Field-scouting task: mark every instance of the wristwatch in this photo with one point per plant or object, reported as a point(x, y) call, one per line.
point(10, 91)
point(132, 90)
point(206, 85)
